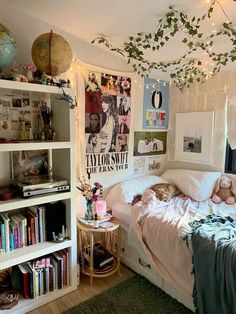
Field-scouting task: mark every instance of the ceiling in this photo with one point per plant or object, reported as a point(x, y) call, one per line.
point(117, 20)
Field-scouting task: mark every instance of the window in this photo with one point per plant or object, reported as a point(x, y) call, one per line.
point(230, 160)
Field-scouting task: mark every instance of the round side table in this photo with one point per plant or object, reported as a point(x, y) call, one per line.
point(107, 238)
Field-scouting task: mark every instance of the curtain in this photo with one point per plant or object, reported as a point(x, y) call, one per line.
point(231, 118)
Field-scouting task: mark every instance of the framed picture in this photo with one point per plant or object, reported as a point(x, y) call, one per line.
point(194, 137)
point(29, 163)
point(149, 143)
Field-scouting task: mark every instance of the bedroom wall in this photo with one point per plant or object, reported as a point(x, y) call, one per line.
point(209, 96)
point(26, 28)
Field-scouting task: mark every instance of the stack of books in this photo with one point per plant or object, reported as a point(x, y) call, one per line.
point(102, 258)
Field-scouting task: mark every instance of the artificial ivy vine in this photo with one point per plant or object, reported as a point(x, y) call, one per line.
point(184, 70)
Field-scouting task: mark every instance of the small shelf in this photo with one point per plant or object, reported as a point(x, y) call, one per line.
point(33, 145)
point(9, 86)
point(30, 252)
point(35, 200)
point(25, 305)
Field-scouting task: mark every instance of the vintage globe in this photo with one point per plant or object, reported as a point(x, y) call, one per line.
point(51, 54)
point(7, 47)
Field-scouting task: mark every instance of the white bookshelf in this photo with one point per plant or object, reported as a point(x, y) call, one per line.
point(63, 152)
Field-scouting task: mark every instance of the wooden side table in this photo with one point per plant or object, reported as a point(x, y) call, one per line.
point(110, 238)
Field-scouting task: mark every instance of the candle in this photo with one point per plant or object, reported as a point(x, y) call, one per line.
point(101, 207)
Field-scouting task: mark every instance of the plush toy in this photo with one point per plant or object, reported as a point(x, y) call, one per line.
point(224, 190)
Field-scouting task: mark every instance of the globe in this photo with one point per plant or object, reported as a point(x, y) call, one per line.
point(51, 54)
point(7, 47)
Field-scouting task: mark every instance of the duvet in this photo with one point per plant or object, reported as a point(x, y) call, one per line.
point(161, 230)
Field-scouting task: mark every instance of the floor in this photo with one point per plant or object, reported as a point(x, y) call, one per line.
point(84, 292)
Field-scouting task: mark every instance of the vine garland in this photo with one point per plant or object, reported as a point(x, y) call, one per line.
point(184, 70)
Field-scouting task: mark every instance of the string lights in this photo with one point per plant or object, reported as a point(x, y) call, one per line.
point(186, 69)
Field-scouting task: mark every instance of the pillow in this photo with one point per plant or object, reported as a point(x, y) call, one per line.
point(198, 185)
point(164, 191)
point(122, 194)
point(125, 191)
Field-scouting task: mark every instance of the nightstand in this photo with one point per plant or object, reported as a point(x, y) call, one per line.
point(90, 239)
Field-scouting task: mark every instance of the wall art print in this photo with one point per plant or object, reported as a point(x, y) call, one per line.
point(107, 122)
point(149, 143)
point(155, 104)
point(194, 137)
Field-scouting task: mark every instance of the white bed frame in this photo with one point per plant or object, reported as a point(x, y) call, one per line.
point(135, 259)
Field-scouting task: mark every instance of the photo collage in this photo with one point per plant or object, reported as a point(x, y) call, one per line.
point(107, 113)
point(20, 117)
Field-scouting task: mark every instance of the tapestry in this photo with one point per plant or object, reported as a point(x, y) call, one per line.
point(155, 104)
point(107, 122)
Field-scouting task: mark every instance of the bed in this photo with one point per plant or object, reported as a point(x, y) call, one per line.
point(154, 232)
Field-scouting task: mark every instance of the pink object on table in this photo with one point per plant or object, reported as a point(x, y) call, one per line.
point(101, 207)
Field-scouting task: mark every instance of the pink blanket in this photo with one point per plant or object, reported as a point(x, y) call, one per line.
point(160, 228)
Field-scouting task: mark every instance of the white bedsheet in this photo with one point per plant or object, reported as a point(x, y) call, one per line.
point(160, 228)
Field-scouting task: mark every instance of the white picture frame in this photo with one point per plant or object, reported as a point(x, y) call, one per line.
point(194, 137)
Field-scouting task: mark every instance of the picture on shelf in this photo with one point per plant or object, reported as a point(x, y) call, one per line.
point(29, 163)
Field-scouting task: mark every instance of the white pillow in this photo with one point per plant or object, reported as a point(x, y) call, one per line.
point(198, 185)
point(125, 191)
point(119, 197)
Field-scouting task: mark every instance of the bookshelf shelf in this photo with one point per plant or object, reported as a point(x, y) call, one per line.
point(30, 252)
point(63, 160)
point(34, 200)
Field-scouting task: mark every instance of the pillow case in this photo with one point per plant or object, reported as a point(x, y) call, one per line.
point(122, 194)
point(198, 185)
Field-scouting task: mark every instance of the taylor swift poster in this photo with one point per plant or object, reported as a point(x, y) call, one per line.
point(107, 122)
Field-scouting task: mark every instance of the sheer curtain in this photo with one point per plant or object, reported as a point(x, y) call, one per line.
point(231, 118)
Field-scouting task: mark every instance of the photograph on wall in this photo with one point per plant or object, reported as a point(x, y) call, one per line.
point(149, 143)
point(29, 163)
point(194, 136)
point(153, 163)
point(107, 121)
point(155, 104)
point(139, 165)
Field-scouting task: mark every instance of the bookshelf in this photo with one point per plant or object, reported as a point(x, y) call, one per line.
point(62, 152)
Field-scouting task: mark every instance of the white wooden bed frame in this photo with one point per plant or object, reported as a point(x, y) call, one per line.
point(135, 259)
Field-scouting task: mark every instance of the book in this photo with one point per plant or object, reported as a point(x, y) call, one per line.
point(24, 273)
point(101, 256)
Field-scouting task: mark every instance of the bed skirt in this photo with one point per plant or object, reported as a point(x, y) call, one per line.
point(134, 258)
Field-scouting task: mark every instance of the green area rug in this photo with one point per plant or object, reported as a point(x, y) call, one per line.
point(135, 295)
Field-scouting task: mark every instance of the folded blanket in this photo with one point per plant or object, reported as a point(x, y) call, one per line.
point(214, 262)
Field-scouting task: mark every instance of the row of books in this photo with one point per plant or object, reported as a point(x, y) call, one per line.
point(38, 277)
point(32, 225)
point(19, 230)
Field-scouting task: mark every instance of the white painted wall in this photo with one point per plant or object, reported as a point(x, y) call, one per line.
point(209, 96)
point(26, 28)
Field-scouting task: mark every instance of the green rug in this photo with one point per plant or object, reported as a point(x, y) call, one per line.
point(135, 295)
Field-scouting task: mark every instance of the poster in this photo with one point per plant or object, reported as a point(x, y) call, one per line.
point(155, 104)
point(139, 165)
point(149, 143)
point(107, 122)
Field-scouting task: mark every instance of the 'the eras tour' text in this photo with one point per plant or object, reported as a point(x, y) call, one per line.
point(96, 163)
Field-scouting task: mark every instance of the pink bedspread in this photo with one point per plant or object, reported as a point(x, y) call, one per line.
point(160, 228)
